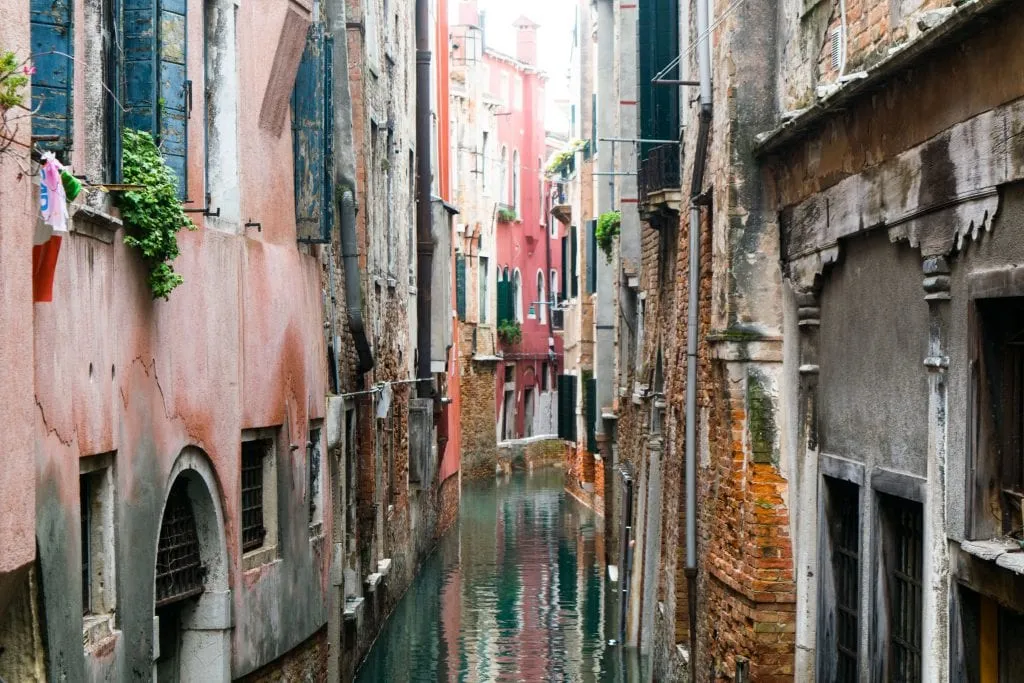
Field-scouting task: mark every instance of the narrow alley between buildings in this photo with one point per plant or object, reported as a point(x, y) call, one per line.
point(575, 340)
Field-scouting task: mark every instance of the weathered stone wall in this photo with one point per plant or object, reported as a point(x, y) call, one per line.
point(479, 434)
point(305, 663)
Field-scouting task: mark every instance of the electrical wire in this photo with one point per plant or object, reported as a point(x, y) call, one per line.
point(696, 41)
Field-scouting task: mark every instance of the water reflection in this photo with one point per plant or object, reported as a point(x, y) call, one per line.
point(516, 593)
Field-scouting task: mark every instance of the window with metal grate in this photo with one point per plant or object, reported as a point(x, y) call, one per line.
point(179, 568)
point(253, 530)
point(844, 530)
point(904, 523)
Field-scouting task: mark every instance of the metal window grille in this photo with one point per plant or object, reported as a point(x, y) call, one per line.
point(253, 531)
point(313, 453)
point(905, 607)
point(179, 568)
point(845, 523)
point(85, 497)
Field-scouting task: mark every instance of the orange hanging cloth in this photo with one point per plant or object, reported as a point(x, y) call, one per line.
point(44, 264)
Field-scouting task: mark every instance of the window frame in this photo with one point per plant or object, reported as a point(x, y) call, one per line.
point(268, 441)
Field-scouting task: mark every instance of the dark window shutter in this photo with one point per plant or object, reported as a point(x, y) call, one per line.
point(158, 96)
point(51, 85)
point(567, 407)
point(460, 285)
point(506, 309)
point(312, 139)
point(590, 406)
point(574, 263)
point(563, 290)
point(593, 125)
point(571, 412)
point(591, 257)
point(175, 94)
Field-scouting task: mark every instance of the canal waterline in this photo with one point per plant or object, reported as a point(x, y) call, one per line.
point(517, 591)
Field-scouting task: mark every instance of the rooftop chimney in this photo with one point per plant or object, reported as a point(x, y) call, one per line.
point(469, 14)
point(526, 41)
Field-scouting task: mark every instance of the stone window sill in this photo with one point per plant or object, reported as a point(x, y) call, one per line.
point(1004, 552)
point(94, 223)
point(257, 558)
point(97, 629)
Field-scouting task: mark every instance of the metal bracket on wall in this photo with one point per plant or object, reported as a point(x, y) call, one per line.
point(205, 210)
point(258, 226)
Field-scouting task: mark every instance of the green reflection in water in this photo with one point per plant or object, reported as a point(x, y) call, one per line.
point(515, 593)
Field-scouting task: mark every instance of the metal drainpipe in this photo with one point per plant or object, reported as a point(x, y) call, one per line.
point(424, 238)
point(693, 322)
point(344, 170)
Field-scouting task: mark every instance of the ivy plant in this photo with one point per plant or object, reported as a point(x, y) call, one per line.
point(152, 215)
point(510, 332)
point(506, 215)
point(608, 224)
point(561, 159)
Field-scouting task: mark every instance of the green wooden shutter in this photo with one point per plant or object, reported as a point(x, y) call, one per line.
point(563, 290)
point(591, 256)
point(574, 263)
point(483, 276)
point(506, 305)
point(567, 407)
point(312, 139)
point(590, 408)
point(460, 285)
point(50, 34)
point(593, 125)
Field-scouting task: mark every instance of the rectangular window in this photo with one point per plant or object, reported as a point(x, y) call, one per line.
point(591, 265)
point(903, 547)
point(842, 591)
point(517, 99)
point(574, 263)
point(567, 407)
point(544, 376)
point(96, 501)
point(460, 286)
point(314, 461)
point(259, 497)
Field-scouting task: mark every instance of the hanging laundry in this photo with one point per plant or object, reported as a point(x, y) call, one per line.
point(384, 402)
point(44, 264)
point(52, 199)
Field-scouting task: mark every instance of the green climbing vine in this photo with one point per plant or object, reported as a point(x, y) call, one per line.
point(153, 216)
point(607, 230)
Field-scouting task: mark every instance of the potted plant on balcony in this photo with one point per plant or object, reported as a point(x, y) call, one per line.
point(607, 230)
point(510, 332)
point(507, 215)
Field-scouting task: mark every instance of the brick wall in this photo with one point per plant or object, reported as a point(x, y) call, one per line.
point(479, 437)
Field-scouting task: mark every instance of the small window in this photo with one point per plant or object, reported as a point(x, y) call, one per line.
point(259, 498)
point(903, 548)
point(510, 374)
point(314, 462)
point(96, 500)
point(544, 376)
point(840, 596)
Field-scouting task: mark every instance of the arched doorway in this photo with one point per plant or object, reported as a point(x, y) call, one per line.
point(192, 602)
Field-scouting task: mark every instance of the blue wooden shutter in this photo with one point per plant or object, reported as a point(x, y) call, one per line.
point(174, 97)
point(460, 285)
point(312, 139)
point(51, 85)
point(158, 93)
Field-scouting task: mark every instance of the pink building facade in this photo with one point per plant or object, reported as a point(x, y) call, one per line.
point(528, 245)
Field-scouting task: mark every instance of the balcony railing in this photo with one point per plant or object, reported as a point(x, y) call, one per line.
point(659, 171)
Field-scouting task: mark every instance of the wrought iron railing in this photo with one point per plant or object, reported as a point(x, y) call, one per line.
point(659, 171)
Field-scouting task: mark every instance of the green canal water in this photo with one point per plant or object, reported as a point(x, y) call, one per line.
point(515, 592)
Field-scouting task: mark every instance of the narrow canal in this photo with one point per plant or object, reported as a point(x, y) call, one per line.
point(516, 592)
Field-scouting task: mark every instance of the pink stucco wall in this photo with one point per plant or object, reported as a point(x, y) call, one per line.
point(17, 445)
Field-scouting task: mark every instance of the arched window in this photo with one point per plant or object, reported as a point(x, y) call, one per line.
point(504, 276)
point(542, 309)
point(517, 295)
point(553, 287)
point(515, 183)
point(503, 176)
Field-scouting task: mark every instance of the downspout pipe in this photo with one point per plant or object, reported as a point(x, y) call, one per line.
point(693, 319)
point(345, 194)
point(424, 236)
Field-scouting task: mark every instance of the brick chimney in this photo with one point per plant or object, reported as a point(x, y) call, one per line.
point(469, 13)
point(526, 41)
